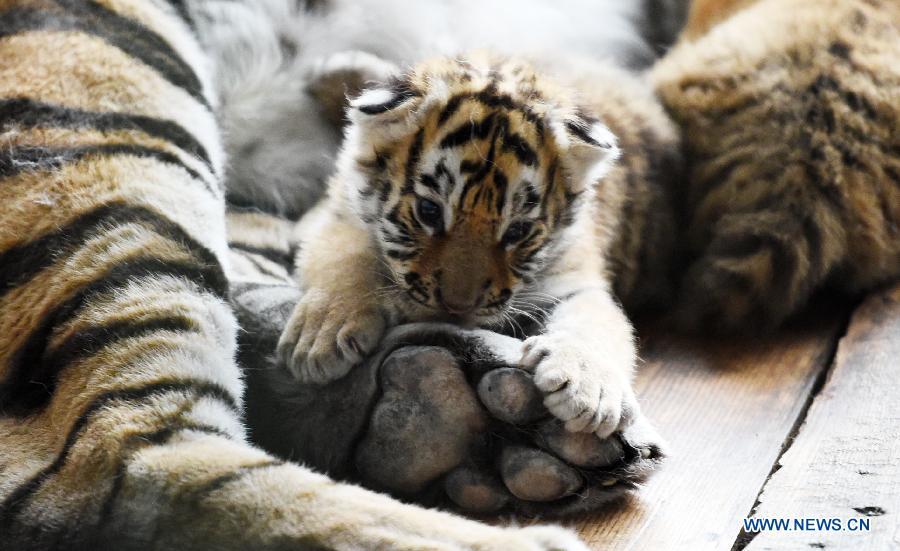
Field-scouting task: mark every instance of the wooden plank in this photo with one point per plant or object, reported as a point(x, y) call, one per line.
point(725, 409)
point(845, 461)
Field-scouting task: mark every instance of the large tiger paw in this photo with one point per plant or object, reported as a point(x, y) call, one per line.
point(441, 416)
point(463, 423)
point(587, 390)
point(323, 339)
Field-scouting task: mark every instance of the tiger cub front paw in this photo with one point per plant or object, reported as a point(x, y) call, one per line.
point(589, 391)
point(325, 337)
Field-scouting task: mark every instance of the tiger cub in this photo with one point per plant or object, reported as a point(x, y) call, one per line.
point(468, 191)
point(789, 111)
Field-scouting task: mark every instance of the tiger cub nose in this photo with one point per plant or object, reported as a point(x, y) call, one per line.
point(461, 299)
point(454, 307)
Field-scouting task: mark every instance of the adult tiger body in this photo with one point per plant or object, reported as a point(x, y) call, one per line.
point(119, 398)
point(789, 112)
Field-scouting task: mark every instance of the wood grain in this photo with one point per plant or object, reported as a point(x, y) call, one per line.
point(845, 460)
point(725, 408)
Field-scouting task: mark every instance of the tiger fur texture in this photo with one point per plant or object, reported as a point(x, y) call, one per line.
point(471, 190)
point(284, 68)
point(120, 401)
point(789, 112)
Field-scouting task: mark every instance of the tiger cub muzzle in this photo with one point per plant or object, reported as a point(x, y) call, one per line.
point(464, 273)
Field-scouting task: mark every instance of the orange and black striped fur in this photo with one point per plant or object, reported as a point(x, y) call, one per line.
point(790, 112)
point(473, 190)
point(120, 402)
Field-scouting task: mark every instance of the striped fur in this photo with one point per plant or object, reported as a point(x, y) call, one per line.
point(790, 111)
point(635, 216)
point(120, 402)
point(285, 71)
point(472, 190)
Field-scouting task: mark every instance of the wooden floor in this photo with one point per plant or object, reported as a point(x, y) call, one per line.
point(802, 425)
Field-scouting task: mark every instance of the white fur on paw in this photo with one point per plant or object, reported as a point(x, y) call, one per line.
point(584, 389)
point(553, 538)
point(323, 340)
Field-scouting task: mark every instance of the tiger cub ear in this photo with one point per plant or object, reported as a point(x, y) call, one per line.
point(342, 75)
point(385, 112)
point(590, 150)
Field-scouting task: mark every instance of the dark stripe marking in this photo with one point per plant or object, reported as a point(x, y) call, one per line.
point(840, 49)
point(182, 11)
point(451, 108)
point(501, 183)
point(384, 107)
point(812, 235)
point(244, 204)
point(129, 36)
point(466, 166)
point(579, 131)
point(258, 263)
point(20, 263)
point(488, 165)
point(92, 339)
point(401, 240)
point(19, 498)
point(135, 442)
point(430, 182)
point(16, 160)
point(832, 194)
point(701, 189)
point(741, 246)
point(441, 171)
point(27, 389)
point(469, 131)
point(412, 160)
point(400, 255)
point(219, 482)
point(280, 257)
point(520, 147)
point(783, 260)
point(490, 98)
point(28, 113)
point(402, 92)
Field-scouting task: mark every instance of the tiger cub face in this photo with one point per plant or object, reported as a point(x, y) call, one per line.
point(467, 173)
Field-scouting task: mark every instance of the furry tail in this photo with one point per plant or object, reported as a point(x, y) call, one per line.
point(759, 267)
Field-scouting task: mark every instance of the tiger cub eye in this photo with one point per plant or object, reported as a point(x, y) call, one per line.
point(429, 212)
point(516, 232)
